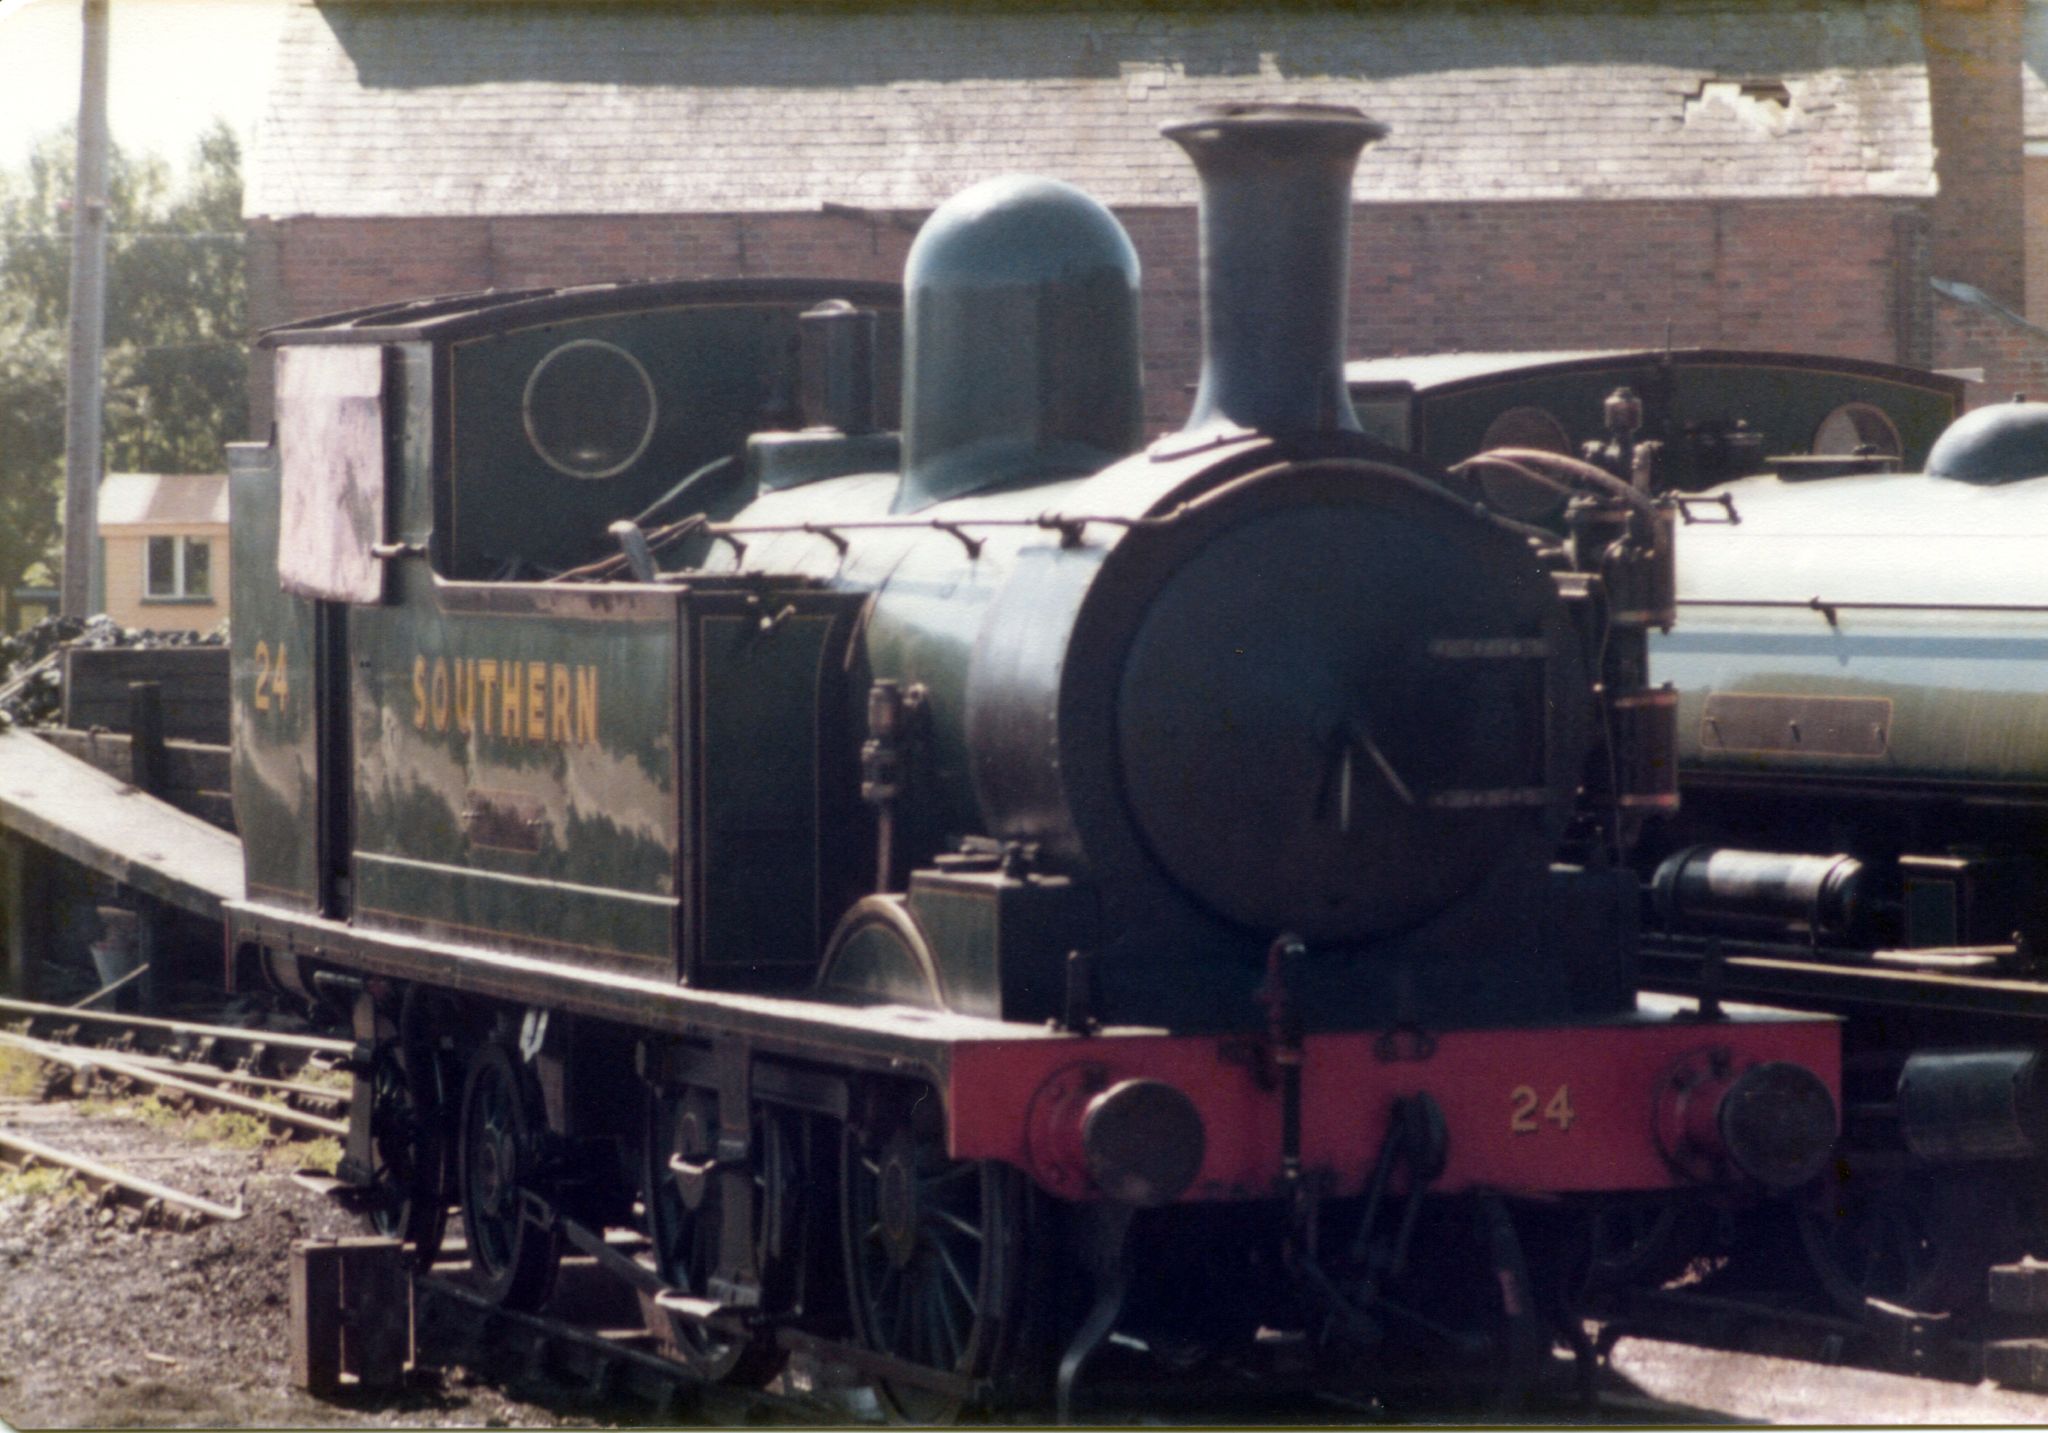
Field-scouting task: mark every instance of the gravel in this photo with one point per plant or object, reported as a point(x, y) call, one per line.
point(109, 1323)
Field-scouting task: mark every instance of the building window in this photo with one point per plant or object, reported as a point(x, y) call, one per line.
point(180, 569)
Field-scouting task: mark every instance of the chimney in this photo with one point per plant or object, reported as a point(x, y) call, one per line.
point(1276, 243)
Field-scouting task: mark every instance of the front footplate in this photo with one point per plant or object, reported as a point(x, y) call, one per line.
point(1537, 1110)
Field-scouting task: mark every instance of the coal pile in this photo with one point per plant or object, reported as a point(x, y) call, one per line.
point(31, 679)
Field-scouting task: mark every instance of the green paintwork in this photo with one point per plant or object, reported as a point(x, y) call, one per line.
point(932, 601)
point(590, 787)
point(766, 696)
point(1966, 688)
point(714, 378)
point(1005, 939)
point(575, 814)
point(1021, 341)
point(1441, 405)
point(273, 730)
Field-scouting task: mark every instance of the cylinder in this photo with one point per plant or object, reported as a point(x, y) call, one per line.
point(1276, 248)
point(1716, 886)
point(1974, 1104)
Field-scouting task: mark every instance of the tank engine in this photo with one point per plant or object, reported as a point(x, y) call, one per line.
point(1865, 792)
point(935, 889)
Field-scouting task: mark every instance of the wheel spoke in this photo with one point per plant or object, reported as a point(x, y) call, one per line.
point(959, 1226)
point(920, 1259)
point(949, 1324)
point(903, 1323)
point(959, 1280)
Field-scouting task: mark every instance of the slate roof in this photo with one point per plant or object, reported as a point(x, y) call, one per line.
point(182, 499)
point(509, 108)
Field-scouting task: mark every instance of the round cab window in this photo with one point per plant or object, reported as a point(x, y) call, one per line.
point(1857, 428)
point(589, 409)
point(1507, 491)
point(1527, 428)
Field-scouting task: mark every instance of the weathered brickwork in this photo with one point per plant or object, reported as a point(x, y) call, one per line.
point(1589, 173)
point(2012, 352)
point(2036, 221)
point(1425, 277)
point(1973, 76)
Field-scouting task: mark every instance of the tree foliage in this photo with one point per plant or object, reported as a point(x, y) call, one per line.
point(174, 371)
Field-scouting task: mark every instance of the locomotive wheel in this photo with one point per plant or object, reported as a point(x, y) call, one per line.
point(685, 1220)
point(1474, 1327)
point(1920, 1241)
point(934, 1258)
point(511, 1249)
point(1642, 1246)
point(407, 1114)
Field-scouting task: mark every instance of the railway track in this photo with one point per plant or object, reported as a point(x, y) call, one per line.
point(266, 1054)
point(590, 1349)
point(602, 1363)
point(604, 1350)
point(174, 1060)
point(2004, 1342)
point(598, 1366)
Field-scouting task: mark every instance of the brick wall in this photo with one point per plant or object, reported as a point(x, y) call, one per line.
point(1826, 275)
point(2012, 352)
point(1973, 81)
point(302, 267)
point(1810, 274)
point(2036, 197)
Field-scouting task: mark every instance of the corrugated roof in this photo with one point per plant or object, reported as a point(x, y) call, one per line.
point(400, 110)
point(184, 499)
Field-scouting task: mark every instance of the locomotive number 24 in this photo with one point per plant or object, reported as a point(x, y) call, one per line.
point(272, 687)
point(1558, 1109)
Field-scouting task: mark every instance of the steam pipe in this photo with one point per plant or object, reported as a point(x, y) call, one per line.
point(1276, 240)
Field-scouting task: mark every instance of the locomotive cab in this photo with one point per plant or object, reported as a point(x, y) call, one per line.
point(491, 753)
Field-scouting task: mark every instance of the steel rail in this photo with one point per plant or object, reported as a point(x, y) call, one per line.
point(83, 1059)
point(311, 1044)
point(254, 1084)
point(18, 1149)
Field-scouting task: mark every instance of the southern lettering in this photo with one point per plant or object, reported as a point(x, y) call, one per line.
point(514, 701)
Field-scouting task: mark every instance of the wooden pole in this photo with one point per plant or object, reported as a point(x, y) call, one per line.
point(84, 452)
